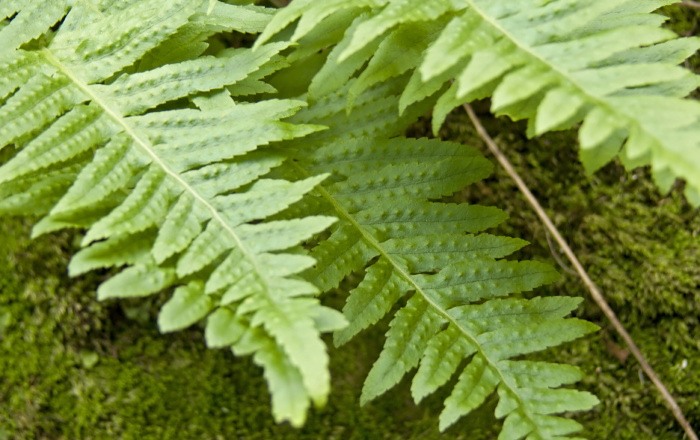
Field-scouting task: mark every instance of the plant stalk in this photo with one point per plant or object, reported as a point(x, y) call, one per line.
point(595, 292)
point(690, 4)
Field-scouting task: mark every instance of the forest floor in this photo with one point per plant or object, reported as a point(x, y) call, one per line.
point(75, 368)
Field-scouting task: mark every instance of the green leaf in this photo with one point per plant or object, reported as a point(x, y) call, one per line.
point(464, 314)
point(188, 305)
point(113, 121)
point(556, 63)
point(475, 384)
point(224, 328)
point(136, 281)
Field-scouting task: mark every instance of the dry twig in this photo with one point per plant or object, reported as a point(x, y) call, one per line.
point(595, 292)
point(690, 4)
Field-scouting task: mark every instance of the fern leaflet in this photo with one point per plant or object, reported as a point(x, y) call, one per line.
point(460, 297)
point(557, 63)
point(118, 125)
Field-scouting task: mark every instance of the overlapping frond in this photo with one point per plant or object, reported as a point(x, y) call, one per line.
point(605, 63)
point(461, 312)
point(116, 129)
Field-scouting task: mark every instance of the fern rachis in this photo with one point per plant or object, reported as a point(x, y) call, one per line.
point(101, 150)
point(123, 126)
point(556, 63)
point(454, 284)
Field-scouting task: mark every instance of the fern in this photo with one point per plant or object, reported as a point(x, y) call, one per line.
point(121, 118)
point(461, 299)
point(120, 127)
point(557, 63)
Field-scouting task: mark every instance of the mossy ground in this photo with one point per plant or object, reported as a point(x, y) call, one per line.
point(74, 368)
point(71, 367)
point(640, 247)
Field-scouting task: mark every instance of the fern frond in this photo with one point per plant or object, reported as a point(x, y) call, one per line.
point(117, 132)
point(557, 63)
point(461, 298)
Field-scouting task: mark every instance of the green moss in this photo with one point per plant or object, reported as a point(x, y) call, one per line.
point(639, 246)
point(685, 21)
point(75, 368)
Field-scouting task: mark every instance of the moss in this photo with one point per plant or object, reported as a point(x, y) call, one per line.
point(685, 21)
point(75, 368)
point(639, 246)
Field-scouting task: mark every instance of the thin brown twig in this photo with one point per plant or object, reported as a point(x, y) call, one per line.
point(690, 4)
point(556, 256)
point(595, 292)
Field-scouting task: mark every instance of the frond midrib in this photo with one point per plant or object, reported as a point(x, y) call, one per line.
point(344, 214)
point(147, 147)
point(91, 6)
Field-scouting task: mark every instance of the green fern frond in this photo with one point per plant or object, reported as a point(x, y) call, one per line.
point(462, 303)
point(557, 63)
point(116, 131)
